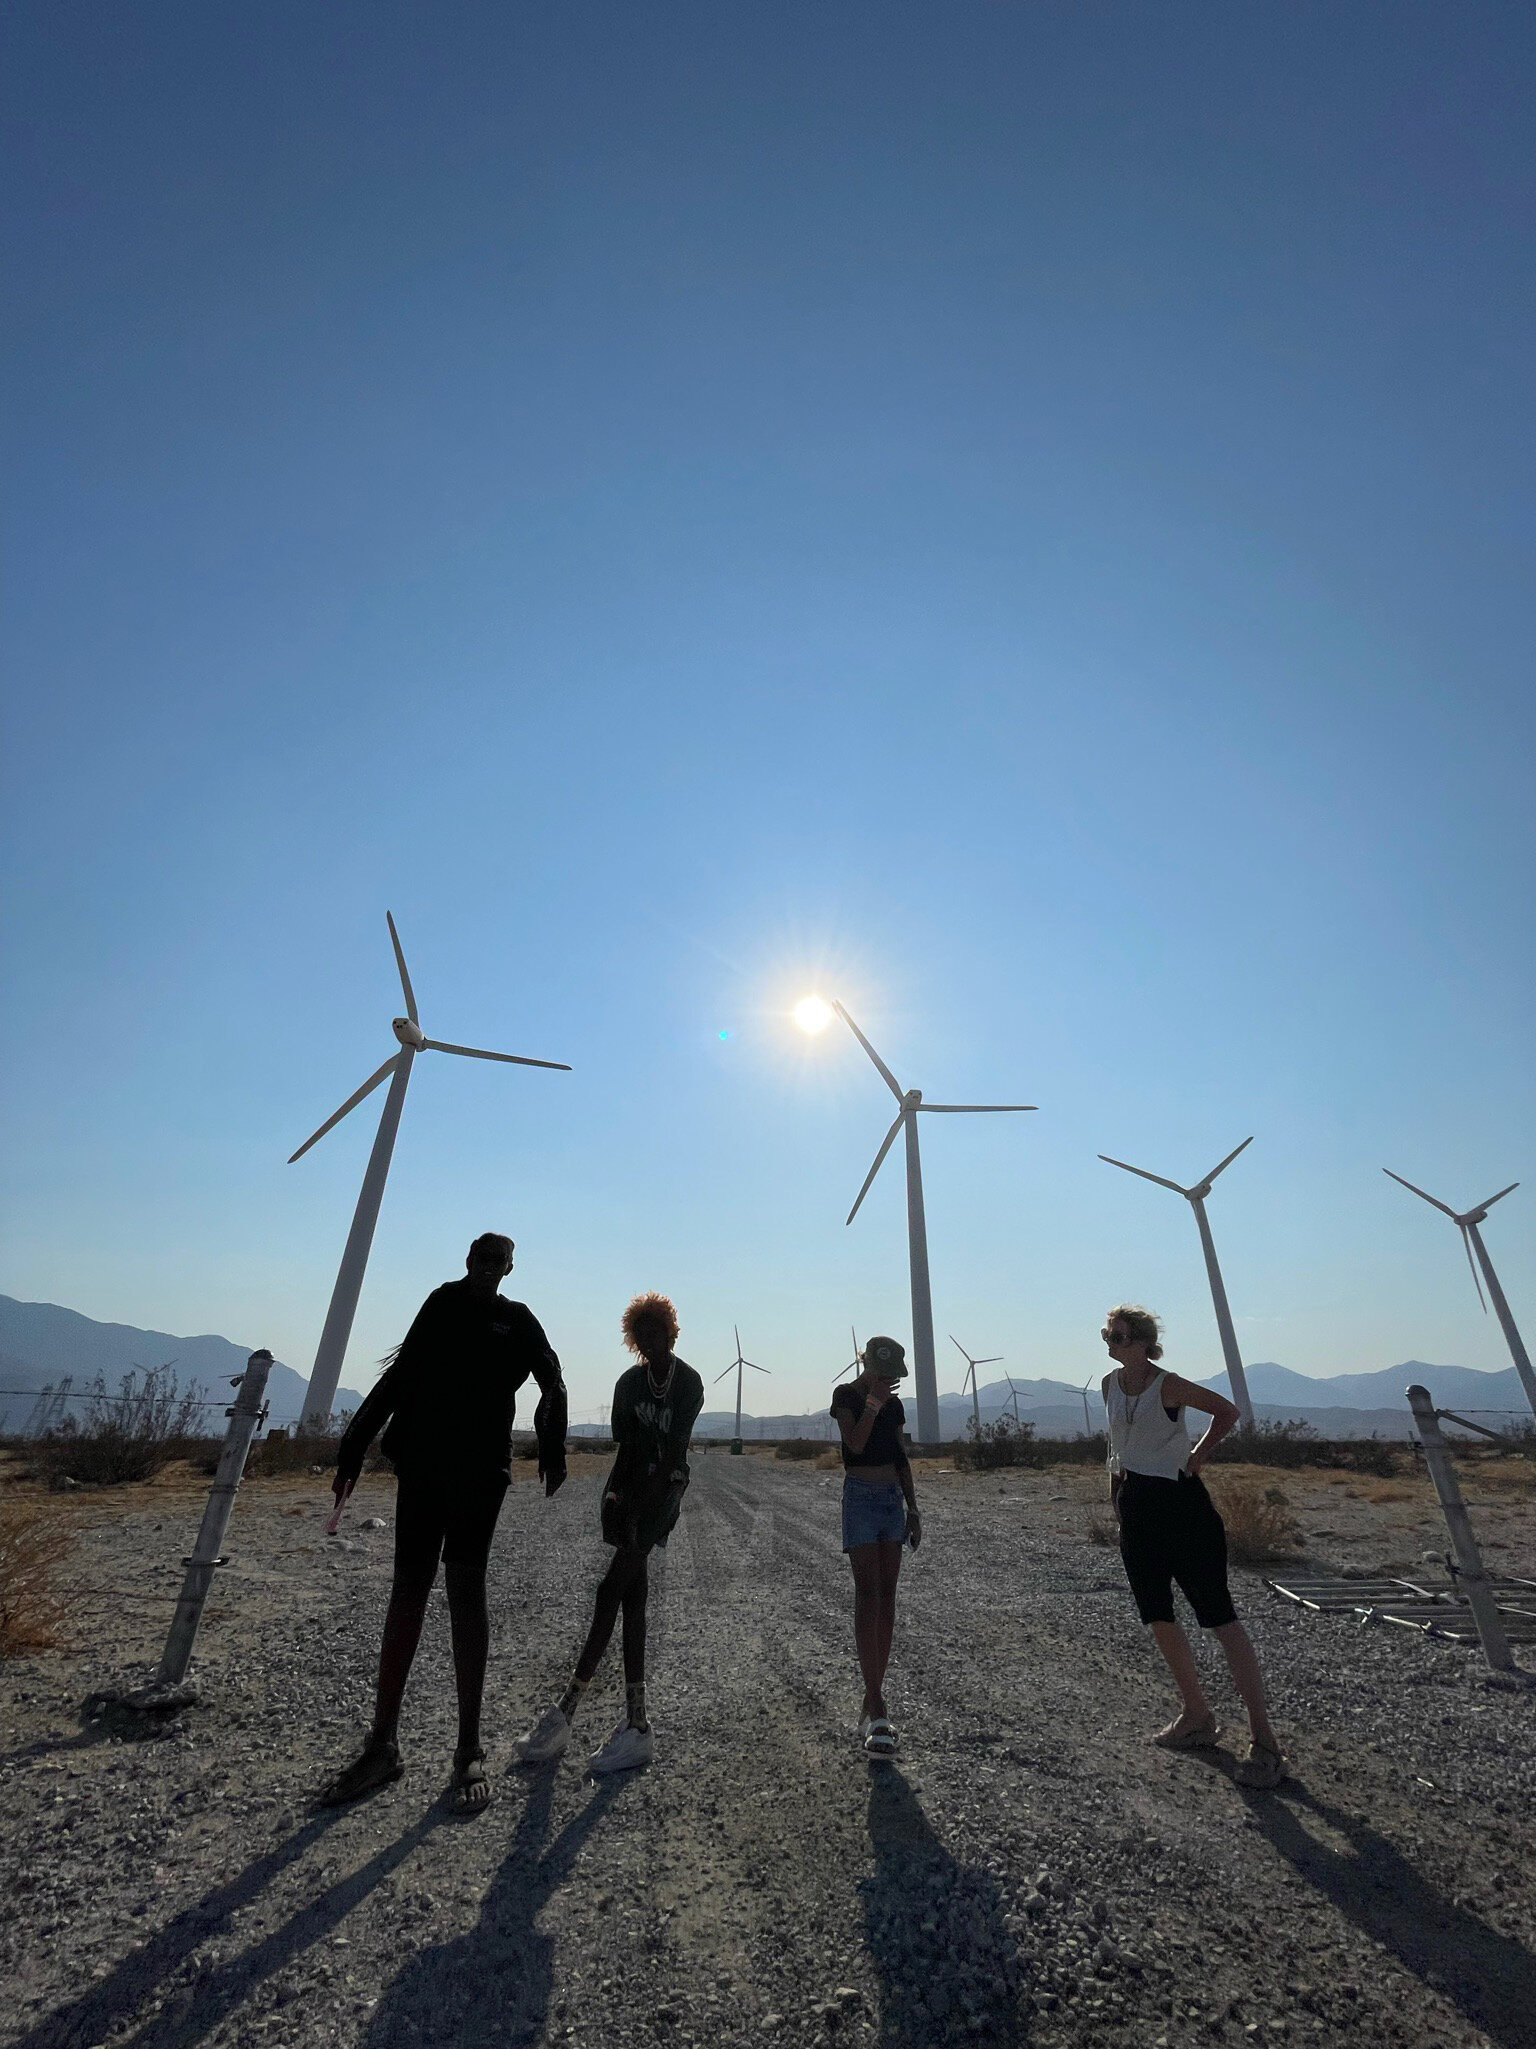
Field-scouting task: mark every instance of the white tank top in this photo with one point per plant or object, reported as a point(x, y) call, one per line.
point(1141, 1438)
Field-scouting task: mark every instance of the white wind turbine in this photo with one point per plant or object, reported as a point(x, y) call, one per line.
point(924, 1371)
point(1467, 1221)
point(970, 1375)
point(354, 1259)
point(1195, 1197)
point(1013, 1398)
point(735, 1367)
point(1087, 1426)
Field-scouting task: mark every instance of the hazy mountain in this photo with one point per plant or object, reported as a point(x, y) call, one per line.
point(1451, 1386)
point(42, 1343)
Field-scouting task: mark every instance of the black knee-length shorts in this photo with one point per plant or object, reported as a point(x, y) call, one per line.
point(1170, 1531)
point(452, 1520)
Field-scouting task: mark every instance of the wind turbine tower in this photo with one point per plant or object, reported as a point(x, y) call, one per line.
point(970, 1375)
point(321, 1392)
point(1195, 1197)
point(910, 1102)
point(1467, 1221)
point(735, 1367)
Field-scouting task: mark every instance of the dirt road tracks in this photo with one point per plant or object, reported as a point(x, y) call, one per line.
point(1028, 1872)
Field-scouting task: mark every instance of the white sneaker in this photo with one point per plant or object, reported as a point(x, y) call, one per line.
point(625, 1751)
point(546, 1740)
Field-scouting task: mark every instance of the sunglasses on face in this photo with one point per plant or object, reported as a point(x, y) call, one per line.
point(1118, 1337)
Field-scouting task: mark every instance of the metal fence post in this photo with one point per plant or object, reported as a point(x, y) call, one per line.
point(243, 1420)
point(1469, 1560)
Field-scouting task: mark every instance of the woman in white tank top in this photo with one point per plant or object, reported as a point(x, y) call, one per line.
point(1170, 1531)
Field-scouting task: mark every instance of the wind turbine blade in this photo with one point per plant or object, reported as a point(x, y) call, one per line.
point(1231, 1156)
point(1500, 1196)
point(757, 1369)
point(350, 1104)
point(953, 1107)
point(479, 1053)
point(729, 1369)
point(890, 1138)
point(965, 1355)
point(891, 1082)
point(1466, 1246)
point(1420, 1192)
point(997, 1361)
point(405, 980)
point(1161, 1180)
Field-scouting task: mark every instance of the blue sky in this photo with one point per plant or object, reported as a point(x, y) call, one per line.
point(1018, 517)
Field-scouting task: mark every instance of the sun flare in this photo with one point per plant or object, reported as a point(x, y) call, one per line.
point(812, 1015)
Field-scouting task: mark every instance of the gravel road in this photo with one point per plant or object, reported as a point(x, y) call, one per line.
point(1029, 1871)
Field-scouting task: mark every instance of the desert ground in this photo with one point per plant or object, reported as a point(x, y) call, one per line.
point(1028, 1871)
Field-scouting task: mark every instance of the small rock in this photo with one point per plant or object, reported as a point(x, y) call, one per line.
point(375, 1522)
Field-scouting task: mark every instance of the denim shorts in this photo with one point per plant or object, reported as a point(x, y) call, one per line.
point(872, 1513)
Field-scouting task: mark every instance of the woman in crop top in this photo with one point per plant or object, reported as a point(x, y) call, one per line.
point(879, 1514)
point(1170, 1530)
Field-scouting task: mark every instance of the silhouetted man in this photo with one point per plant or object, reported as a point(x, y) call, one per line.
point(449, 1394)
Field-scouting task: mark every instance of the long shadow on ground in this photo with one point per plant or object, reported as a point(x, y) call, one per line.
point(493, 1985)
point(112, 2003)
point(949, 1969)
point(1489, 1977)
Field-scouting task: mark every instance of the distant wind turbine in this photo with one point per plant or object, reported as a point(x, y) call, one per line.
point(1013, 1397)
point(1087, 1426)
point(1467, 1221)
point(970, 1375)
point(321, 1392)
point(855, 1363)
point(735, 1367)
point(1195, 1197)
point(925, 1375)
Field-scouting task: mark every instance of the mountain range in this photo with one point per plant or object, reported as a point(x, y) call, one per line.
point(41, 1343)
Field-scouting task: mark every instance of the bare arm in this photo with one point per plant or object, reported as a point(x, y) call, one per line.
point(1225, 1416)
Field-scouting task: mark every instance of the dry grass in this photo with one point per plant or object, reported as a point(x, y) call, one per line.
point(34, 1542)
point(1260, 1524)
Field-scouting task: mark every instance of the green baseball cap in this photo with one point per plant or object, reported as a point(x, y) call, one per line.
point(885, 1357)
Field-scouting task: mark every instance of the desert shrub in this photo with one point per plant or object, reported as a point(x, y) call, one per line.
point(1292, 1443)
point(1105, 1530)
point(1520, 1438)
point(1078, 1451)
point(94, 1439)
point(297, 1451)
point(33, 1543)
point(1259, 1521)
point(1003, 1443)
point(800, 1447)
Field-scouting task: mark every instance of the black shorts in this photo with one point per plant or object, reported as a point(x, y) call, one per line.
point(1170, 1530)
point(454, 1520)
point(641, 1521)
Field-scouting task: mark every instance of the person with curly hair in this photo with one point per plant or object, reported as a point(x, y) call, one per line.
point(655, 1406)
point(1171, 1530)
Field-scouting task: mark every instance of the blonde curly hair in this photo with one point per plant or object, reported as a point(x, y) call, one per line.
point(650, 1326)
point(1143, 1326)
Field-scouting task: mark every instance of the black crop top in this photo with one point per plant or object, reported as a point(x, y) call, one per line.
point(885, 1446)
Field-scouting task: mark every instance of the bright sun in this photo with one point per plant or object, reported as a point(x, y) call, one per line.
point(812, 1015)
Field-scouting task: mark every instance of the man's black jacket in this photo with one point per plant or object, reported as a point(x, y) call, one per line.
point(451, 1392)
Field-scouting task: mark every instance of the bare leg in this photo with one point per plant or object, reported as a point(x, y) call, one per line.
point(403, 1618)
point(471, 1628)
point(890, 1571)
point(1174, 1645)
point(605, 1609)
point(379, 1763)
point(634, 1600)
point(1243, 1662)
point(868, 1612)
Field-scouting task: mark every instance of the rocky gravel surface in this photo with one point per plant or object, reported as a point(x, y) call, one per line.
point(1029, 1871)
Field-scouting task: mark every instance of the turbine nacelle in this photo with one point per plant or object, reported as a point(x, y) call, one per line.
point(409, 1033)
